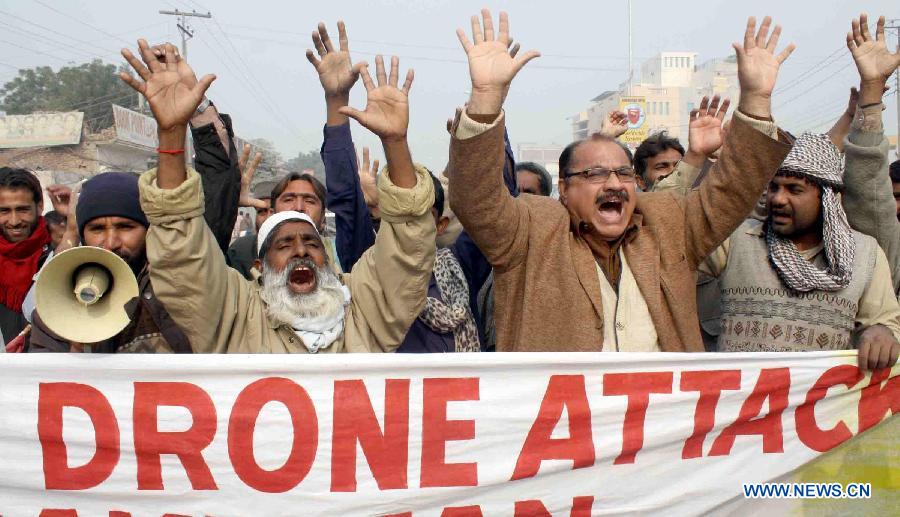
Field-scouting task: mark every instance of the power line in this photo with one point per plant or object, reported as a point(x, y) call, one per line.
point(17, 30)
point(816, 68)
point(425, 46)
point(439, 59)
point(245, 74)
point(64, 46)
point(53, 31)
point(35, 51)
point(70, 17)
point(804, 92)
point(253, 77)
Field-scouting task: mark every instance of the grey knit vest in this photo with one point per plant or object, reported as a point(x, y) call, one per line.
point(759, 314)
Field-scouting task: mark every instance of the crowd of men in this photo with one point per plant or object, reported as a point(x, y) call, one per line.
point(750, 239)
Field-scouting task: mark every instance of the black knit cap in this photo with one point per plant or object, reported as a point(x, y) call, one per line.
point(111, 194)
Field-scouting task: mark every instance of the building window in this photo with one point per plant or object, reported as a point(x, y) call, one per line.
point(666, 108)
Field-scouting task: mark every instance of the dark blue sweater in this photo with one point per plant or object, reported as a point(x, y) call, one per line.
point(356, 233)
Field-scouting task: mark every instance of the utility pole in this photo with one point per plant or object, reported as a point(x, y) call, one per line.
point(628, 90)
point(184, 28)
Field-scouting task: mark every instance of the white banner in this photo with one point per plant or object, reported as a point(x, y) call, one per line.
point(449, 435)
point(135, 128)
point(40, 129)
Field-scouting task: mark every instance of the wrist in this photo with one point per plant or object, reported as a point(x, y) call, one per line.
point(333, 103)
point(399, 161)
point(394, 140)
point(337, 98)
point(694, 158)
point(756, 105)
point(870, 92)
point(485, 101)
point(172, 138)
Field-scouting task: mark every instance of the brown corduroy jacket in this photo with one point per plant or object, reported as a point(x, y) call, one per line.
point(547, 290)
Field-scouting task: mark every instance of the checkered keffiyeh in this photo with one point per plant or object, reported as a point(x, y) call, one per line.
point(816, 158)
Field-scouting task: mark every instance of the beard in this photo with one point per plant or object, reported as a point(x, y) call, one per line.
point(31, 227)
point(136, 262)
point(287, 307)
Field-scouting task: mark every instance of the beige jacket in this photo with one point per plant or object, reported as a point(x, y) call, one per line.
point(220, 311)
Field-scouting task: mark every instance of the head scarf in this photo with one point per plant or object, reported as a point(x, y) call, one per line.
point(816, 158)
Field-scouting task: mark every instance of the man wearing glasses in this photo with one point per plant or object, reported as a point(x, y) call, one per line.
point(605, 268)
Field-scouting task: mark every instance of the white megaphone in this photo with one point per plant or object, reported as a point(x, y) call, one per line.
point(81, 294)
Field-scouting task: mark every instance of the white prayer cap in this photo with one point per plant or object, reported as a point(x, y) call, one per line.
point(274, 220)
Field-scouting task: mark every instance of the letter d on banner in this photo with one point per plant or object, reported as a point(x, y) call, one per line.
point(53, 397)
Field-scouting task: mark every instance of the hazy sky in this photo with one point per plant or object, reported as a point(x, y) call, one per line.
point(267, 85)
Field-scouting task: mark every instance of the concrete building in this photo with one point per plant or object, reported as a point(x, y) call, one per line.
point(672, 83)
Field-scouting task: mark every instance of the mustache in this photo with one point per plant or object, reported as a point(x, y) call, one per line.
point(305, 262)
point(612, 195)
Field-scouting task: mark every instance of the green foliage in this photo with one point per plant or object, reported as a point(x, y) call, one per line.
point(90, 87)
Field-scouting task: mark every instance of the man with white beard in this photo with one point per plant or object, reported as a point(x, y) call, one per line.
point(299, 305)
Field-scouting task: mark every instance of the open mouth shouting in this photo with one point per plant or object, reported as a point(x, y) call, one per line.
point(611, 206)
point(302, 278)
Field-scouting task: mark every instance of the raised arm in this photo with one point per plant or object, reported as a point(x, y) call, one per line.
point(214, 159)
point(172, 102)
point(389, 283)
point(187, 268)
point(355, 231)
point(705, 136)
point(494, 219)
point(868, 197)
point(750, 156)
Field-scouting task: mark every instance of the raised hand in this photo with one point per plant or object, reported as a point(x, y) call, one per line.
point(246, 198)
point(758, 67)
point(184, 71)
point(171, 101)
point(70, 237)
point(615, 124)
point(333, 66)
point(367, 173)
point(705, 133)
point(874, 61)
point(60, 196)
point(387, 108)
point(492, 65)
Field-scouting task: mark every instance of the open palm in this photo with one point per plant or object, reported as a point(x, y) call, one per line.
point(333, 66)
point(171, 100)
point(387, 106)
point(873, 59)
point(705, 134)
point(757, 62)
point(492, 66)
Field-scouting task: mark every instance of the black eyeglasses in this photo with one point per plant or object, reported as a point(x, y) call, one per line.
point(601, 175)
